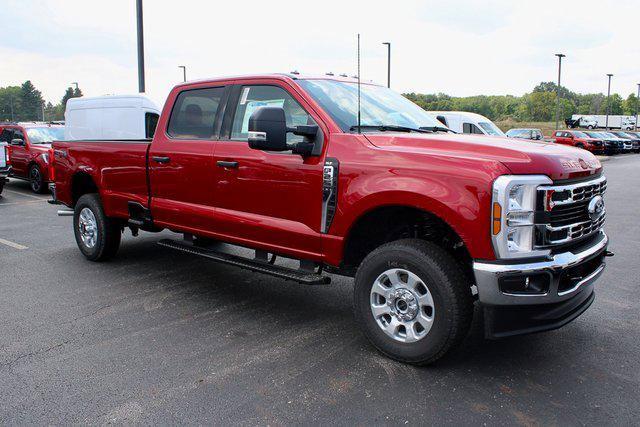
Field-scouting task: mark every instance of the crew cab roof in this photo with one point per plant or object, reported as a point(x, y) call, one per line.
point(279, 76)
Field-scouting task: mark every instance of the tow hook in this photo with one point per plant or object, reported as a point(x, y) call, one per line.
point(608, 253)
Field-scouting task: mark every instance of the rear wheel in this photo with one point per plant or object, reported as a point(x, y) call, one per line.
point(97, 235)
point(36, 180)
point(413, 301)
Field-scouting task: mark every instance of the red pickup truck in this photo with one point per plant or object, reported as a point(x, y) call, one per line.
point(361, 182)
point(30, 151)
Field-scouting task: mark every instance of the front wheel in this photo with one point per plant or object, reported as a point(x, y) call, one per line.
point(97, 235)
point(36, 180)
point(413, 301)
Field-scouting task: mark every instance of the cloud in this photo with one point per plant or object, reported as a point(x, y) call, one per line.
point(456, 47)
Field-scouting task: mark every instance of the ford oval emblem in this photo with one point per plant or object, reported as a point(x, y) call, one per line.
point(596, 208)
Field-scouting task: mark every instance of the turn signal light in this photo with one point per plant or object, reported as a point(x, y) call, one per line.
point(497, 218)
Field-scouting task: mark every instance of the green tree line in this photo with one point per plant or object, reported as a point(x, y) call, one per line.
point(537, 106)
point(25, 103)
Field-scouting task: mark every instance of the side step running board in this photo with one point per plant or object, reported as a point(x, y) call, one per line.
point(300, 276)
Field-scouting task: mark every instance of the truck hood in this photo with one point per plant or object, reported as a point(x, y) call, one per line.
point(519, 156)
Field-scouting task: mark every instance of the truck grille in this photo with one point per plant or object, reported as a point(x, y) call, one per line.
point(564, 213)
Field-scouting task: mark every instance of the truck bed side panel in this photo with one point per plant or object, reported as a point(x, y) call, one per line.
point(118, 168)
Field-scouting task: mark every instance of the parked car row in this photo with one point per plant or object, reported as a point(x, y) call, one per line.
point(597, 142)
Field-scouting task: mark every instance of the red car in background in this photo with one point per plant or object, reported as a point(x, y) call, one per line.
point(30, 151)
point(580, 140)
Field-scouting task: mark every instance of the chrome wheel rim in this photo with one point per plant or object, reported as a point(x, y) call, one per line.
point(35, 179)
point(88, 227)
point(402, 305)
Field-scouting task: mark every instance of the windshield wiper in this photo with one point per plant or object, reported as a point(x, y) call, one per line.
point(437, 129)
point(391, 128)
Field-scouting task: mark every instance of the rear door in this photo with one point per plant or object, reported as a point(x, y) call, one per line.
point(268, 199)
point(181, 165)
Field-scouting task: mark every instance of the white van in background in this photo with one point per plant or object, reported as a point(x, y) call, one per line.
point(110, 117)
point(463, 122)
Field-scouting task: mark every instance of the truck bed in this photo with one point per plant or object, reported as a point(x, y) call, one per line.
point(117, 167)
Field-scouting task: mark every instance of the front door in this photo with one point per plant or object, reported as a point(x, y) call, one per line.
point(267, 199)
point(182, 170)
point(19, 155)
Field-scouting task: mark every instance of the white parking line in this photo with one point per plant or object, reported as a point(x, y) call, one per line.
point(28, 202)
point(13, 245)
point(25, 194)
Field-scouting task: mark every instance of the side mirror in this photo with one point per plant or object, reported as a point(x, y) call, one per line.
point(17, 141)
point(268, 131)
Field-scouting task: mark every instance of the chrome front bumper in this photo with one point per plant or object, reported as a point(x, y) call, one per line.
point(488, 275)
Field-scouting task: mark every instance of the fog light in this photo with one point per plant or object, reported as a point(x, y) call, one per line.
point(528, 284)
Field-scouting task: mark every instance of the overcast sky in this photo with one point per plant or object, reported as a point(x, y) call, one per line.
point(456, 47)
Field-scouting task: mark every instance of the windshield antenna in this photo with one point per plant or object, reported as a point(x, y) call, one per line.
point(359, 83)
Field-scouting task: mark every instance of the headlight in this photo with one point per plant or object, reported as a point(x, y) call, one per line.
point(513, 207)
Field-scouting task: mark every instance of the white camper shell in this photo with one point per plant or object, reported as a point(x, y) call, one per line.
point(470, 123)
point(110, 117)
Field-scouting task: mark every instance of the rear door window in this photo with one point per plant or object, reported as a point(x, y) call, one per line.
point(150, 123)
point(195, 113)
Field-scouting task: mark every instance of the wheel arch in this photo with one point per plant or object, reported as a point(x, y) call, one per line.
point(82, 183)
point(385, 223)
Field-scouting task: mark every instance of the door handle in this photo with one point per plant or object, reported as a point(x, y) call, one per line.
point(160, 159)
point(224, 164)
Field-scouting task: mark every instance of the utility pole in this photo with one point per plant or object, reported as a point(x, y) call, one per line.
point(140, 47)
point(560, 56)
point(184, 72)
point(388, 63)
point(608, 104)
point(11, 102)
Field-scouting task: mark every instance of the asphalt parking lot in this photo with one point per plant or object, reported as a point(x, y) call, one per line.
point(159, 337)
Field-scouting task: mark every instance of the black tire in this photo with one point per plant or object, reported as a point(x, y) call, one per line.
point(580, 145)
point(1, 187)
point(109, 231)
point(449, 288)
point(36, 181)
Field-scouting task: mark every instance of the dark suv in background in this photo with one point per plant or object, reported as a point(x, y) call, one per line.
point(634, 138)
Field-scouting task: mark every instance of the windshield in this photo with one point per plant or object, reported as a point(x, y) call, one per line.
point(491, 129)
point(379, 106)
point(45, 135)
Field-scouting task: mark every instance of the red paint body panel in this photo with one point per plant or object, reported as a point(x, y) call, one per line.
point(273, 201)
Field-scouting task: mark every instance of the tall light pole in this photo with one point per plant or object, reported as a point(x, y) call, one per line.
point(184, 72)
point(560, 56)
point(637, 102)
point(608, 105)
point(388, 63)
point(140, 46)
